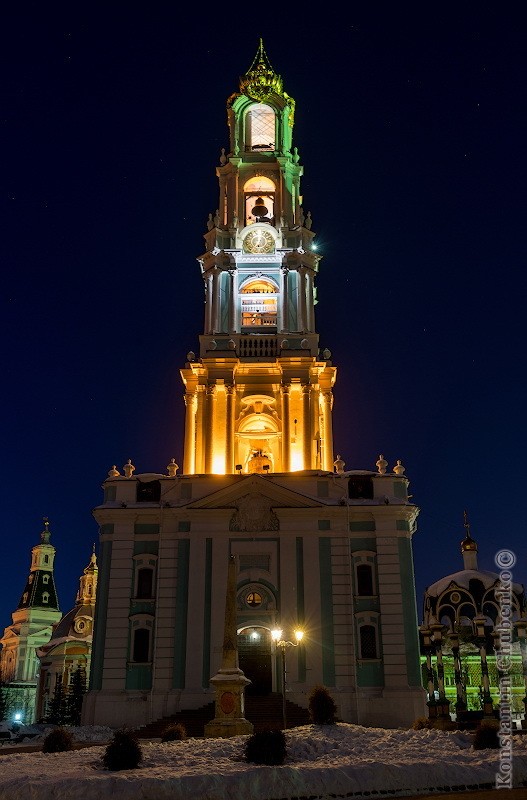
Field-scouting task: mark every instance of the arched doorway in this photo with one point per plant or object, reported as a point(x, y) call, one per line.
point(255, 659)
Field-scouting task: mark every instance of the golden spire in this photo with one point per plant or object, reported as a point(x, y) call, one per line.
point(468, 542)
point(260, 81)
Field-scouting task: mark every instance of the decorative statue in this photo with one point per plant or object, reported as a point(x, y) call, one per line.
point(223, 157)
point(308, 223)
point(217, 218)
point(210, 223)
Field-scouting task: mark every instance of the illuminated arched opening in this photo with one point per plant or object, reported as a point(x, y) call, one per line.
point(259, 303)
point(255, 188)
point(257, 440)
point(260, 128)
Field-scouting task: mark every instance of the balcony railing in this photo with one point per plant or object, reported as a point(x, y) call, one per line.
point(257, 319)
point(258, 347)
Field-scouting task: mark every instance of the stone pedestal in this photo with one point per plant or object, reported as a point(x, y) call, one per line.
point(229, 717)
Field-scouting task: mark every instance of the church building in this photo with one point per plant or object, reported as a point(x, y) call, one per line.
point(318, 547)
point(32, 625)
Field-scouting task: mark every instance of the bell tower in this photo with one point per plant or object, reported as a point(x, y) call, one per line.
point(259, 397)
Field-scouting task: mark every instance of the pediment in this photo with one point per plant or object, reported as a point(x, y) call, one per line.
point(274, 495)
point(10, 633)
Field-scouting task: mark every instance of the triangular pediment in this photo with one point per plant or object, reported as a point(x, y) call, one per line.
point(10, 633)
point(275, 495)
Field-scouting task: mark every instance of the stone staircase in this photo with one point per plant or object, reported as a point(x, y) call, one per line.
point(263, 712)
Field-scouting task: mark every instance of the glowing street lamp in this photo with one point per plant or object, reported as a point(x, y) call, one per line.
point(283, 644)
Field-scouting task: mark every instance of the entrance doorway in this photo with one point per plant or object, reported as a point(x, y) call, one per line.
point(254, 653)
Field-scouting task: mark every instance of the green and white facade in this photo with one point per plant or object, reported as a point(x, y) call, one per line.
point(317, 546)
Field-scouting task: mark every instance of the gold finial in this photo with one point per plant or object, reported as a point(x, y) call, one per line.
point(172, 468)
point(129, 468)
point(399, 469)
point(46, 533)
point(381, 465)
point(468, 542)
point(260, 81)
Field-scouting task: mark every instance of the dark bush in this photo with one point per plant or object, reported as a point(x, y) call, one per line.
point(124, 752)
point(267, 747)
point(58, 741)
point(174, 733)
point(422, 722)
point(486, 736)
point(322, 708)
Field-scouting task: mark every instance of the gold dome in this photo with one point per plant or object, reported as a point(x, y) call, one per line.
point(261, 81)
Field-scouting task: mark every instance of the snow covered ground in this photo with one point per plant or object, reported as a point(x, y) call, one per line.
point(339, 761)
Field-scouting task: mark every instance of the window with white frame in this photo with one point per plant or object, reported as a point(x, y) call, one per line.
point(365, 577)
point(368, 634)
point(144, 583)
point(142, 626)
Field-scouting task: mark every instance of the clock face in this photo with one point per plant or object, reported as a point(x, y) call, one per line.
point(258, 241)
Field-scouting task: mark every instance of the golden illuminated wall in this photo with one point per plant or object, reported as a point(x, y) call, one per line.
point(286, 426)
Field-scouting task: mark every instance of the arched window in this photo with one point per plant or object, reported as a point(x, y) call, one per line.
point(368, 642)
point(45, 597)
point(144, 583)
point(260, 127)
point(46, 559)
point(259, 303)
point(141, 646)
point(45, 579)
point(255, 188)
point(365, 580)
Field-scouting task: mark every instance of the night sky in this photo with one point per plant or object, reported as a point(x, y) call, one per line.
point(412, 131)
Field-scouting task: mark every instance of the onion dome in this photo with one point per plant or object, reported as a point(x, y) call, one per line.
point(261, 81)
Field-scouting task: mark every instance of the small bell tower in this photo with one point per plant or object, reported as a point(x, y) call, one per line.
point(259, 397)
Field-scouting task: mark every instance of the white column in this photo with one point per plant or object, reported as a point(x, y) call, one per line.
point(199, 465)
point(229, 425)
point(328, 431)
point(306, 425)
point(284, 299)
point(215, 300)
point(208, 303)
point(232, 302)
point(286, 435)
point(210, 412)
point(315, 422)
point(310, 303)
point(302, 315)
point(189, 458)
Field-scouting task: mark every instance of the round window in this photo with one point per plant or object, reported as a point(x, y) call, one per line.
point(455, 597)
point(253, 599)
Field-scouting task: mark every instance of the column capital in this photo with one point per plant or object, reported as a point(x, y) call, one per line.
point(190, 399)
point(210, 390)
point(230, 388)
point(306, 388)
point(285, 388)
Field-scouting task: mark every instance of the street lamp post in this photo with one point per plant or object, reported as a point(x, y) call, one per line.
point(283, 644)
